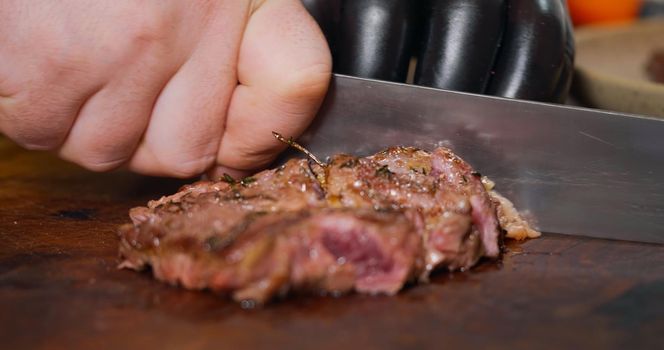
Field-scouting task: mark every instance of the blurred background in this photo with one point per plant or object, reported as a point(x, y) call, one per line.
point(619, 63)
point(586, 12)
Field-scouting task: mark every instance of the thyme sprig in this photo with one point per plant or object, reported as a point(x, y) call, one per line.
point(228, 179)
point(320, 177)
point(298, 147)
point(247, 180)
point(231, 181)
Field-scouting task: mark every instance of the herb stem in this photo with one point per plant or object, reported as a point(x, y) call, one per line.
point(298, 147)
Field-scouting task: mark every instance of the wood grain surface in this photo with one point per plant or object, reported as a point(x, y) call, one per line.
point(60, 289)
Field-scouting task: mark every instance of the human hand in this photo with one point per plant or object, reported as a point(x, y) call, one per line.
point(169, 88)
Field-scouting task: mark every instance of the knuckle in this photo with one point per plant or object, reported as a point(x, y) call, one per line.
point(34, 123)
point(43, 144)
point(32, 143)
point(173, 159)
point(99, 163)
point(32, 135)
point(188, 167)
point(309, 82)
point(58, 59)
point(248, 156)
point(147, 26)
point(95, 151)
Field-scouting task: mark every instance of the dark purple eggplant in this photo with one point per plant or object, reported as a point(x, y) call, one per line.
point(567, 71)
point(376, 38)
point(459, 43)
point(512, 48)
point(327, 13)
point(535, 60)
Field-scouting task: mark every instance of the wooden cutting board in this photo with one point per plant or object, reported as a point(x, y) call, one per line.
point(60, 289)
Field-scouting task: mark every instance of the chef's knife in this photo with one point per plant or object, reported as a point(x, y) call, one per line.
point(576, 171)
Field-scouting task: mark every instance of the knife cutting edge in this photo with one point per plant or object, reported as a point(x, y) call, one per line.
point(575, 171)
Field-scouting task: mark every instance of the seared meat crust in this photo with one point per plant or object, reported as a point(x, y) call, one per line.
point(368, 224)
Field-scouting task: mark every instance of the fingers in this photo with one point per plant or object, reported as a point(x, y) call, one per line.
point(186, 125)
point(284, 69)
point(56, 57)
point(82, 78)
point(40, 117)
point(111, 123)
point(171, 99)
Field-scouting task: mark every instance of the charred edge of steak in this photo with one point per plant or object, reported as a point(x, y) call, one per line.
point(458, 176)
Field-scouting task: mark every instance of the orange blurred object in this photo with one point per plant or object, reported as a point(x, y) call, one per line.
point(603, 11)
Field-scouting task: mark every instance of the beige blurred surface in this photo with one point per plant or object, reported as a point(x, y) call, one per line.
point(611, 66)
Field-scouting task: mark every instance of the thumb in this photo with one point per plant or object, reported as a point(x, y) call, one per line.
point(284, 68)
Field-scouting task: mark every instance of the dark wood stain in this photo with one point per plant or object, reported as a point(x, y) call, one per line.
point(60, 288)
point(76, 214)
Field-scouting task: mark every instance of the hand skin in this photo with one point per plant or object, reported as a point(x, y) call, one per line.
point(166, 87)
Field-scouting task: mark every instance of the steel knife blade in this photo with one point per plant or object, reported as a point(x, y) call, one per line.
point(576, 171)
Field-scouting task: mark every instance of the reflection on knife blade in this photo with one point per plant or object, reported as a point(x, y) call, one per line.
point(579, 171)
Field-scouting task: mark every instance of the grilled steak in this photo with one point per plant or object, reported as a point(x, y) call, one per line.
point(367, 224)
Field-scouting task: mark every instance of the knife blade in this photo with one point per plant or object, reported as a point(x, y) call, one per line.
point(575, 171)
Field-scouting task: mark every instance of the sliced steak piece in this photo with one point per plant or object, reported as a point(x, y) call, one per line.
point(366, 224)
point(460, 219)
point(459, 177)
point(262, 255)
